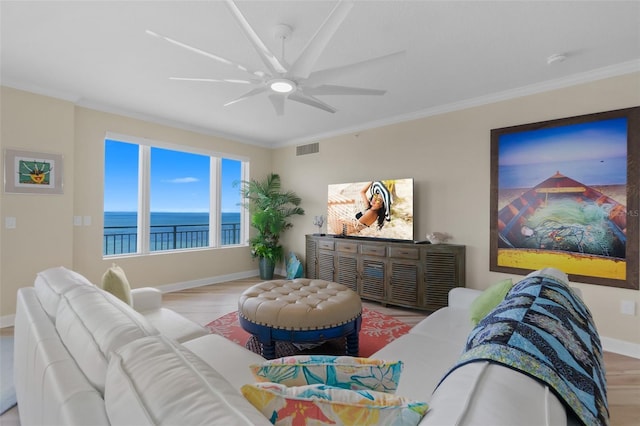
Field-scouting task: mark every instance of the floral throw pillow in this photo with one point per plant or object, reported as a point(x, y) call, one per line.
point(339, 371)
point(327, 405)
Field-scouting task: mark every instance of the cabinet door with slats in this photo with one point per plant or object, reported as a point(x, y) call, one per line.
point(311, 258)
point(325, 265)
point(373, 275)
point(347, 271)
point(442, 270)
point(403, 283)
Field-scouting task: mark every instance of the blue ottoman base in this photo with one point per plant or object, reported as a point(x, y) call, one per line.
point(267, 336)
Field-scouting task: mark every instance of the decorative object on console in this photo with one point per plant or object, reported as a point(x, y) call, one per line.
point(438, 237)
point(318, 221)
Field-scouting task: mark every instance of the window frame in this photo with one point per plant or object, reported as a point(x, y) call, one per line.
point(144, 194)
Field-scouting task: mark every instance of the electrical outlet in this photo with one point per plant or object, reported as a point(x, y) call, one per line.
point(10, 222)
point(77, 221)
point(628, 307)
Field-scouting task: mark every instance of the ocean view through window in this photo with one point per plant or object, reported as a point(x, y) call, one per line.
point(160, 199)
point(171, 231)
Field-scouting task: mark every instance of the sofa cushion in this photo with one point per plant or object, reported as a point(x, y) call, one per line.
point(227, 357)
point(92, 323)
point(426, 360)
point(327, 405)
point(174, 325)
point(449, 324)
point(340, 371)
point(115, 281)
point(50, 388)
point(484, 393)
point(489, 299)
point(52, 282)
point(154, 380)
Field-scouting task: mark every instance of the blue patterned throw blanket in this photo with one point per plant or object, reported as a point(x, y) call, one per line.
point(544, 330)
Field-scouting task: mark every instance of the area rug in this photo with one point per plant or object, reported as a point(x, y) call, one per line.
point(7, 389)
point(377, 330)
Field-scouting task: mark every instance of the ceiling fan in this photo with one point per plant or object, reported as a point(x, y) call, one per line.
point(296, 82)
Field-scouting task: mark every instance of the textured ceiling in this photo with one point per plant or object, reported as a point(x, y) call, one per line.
point(458, 53)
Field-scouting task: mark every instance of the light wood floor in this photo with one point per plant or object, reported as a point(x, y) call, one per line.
point(204, 304)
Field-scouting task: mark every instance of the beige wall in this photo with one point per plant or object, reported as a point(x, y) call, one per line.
point(158, 269)
point(45, 235)
point(448, 157)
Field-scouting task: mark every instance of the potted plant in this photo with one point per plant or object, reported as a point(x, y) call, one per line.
point(269, 209)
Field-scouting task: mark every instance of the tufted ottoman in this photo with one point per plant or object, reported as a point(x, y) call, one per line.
point(300, 311)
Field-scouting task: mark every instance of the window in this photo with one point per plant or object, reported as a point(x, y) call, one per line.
point(159, 198)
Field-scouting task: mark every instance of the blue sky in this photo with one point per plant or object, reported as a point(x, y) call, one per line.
point(587, 141)
point(179, 180)
point(593, 153)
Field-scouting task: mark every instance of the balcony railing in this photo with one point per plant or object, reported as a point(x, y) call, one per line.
point(124, 239)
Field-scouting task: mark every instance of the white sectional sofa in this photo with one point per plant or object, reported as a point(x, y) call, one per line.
point(84, 357)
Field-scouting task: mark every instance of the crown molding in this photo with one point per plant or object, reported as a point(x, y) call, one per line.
point(572, 80)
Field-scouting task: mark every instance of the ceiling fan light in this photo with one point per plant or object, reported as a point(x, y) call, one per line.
point(282, 86)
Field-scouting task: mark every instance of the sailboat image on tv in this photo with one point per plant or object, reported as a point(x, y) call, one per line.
point(563, 222)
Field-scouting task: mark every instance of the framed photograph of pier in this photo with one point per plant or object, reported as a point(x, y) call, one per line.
point(32, 172)
point(565, 194)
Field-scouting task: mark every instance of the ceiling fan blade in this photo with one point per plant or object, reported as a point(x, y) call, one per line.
point(331, 74)
point(267, 57)
point(202, 52)
point(310, 100)
point(247, 95)
point(278, 103)
point(310, 54)
point(330, 89)
point(213, 80)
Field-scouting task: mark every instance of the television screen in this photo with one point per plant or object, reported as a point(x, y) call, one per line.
point(378, 209)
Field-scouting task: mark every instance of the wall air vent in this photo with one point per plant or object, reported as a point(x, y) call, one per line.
point(311, 148)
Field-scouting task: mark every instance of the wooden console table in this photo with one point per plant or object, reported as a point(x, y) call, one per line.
point(405, 274)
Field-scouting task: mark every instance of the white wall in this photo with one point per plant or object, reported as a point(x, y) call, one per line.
point(448, 157)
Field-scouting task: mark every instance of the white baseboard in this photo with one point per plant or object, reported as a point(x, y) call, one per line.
point(620, 347)
point(7, 321)
point(168, 288)
point(215, 280)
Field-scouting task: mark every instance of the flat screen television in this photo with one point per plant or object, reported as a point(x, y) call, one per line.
point(371, 209)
